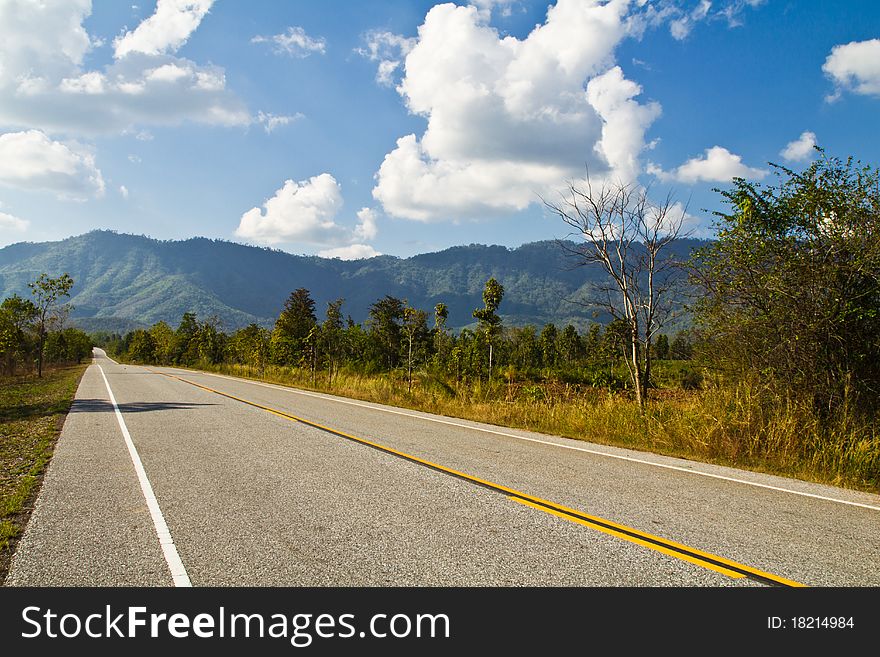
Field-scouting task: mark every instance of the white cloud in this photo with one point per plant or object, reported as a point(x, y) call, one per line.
point(272, 121)
point(299, 212)
point(294, 42)
point(123, 191)
point(801, 148)
point(9, 222)
point(366, 228)
point(388, 49)
point(352, 252)
point(31, 161)
point(508, 119)
point(166, 30)
point(855, 67)
point(716, 165)
point(306, 212)
point(43, 83)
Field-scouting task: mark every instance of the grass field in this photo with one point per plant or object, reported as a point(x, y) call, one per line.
point(32, 412)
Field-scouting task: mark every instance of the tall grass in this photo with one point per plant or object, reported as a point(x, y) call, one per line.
point(741, 425)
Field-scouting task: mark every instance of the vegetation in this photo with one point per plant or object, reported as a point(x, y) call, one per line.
point(32, 410)
point(32, 332)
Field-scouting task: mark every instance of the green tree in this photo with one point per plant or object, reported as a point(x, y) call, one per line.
point(185, 342)
point(16, 316)
point(443, 341)
point(385, 329)
point(292, 327)
point(415, 331)
point(210, 340)
point(48, 293)
point(487, 316)
point(790, 290)
point(549, 335)
point(331, 337)
point(569, 345)
point(163, 338)
point(141, 347)
point(661, 347)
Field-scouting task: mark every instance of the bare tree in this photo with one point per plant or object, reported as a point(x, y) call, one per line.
point(625, 232)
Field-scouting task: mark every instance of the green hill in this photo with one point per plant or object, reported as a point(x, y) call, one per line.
point(123, 281)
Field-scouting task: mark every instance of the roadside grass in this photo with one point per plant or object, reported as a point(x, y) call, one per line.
point(740, 425)
point(32, 412)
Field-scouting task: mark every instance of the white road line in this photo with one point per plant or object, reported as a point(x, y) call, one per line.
point(172, 558)
point(542, 442)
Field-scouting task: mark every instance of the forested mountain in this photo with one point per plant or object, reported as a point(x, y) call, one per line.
point(124, 281)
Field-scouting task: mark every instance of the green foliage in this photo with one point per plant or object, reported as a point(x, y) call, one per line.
point(48, 293)
point(292, 327)
point(791, 288)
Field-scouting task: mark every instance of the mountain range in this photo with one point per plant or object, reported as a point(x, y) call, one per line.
point(126, 281)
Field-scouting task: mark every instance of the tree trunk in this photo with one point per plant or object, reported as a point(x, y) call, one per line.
point(409, 364)
point(635, 370)
point(490, 363)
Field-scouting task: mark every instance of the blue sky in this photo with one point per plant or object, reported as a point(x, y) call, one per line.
point(353, 128)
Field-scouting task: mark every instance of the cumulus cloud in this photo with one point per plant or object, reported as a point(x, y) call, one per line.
point(366, 228)
point(166, 30)
point(43, 83)
point(123, 191)
point(306, 212)
point(31, 161)
point(854, 67)
point(352, 252)
point(11, 223)
point(299, 212)
point(508, 119)
point(294, 42)
point(801, 148)
point(716, 165)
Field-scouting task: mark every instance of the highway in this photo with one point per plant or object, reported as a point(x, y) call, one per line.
point(166, 477)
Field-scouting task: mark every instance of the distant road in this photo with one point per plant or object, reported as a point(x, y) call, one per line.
point(165, 476)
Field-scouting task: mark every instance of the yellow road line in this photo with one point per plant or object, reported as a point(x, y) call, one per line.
point(665, 546)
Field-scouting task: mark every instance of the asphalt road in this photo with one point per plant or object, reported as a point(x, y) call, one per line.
point(247, 496)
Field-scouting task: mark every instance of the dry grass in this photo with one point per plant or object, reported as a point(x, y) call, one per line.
point(32, 412)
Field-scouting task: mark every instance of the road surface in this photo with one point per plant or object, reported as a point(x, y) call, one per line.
point(167, 477)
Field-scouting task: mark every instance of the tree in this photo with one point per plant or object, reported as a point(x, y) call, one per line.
point(48, 293)
point(141, 347)
point(415, 330)
point(331, 334)
point(627, 235)
point(163, 338)
point(384, 325)
point(661, 347)
point(16, 316)
point(549, 335)
point(790, 290)
point(210, 340)
point(569, 344)
point(185, 342)
point(442, 339)
point(489, 320)
point(292, 327)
